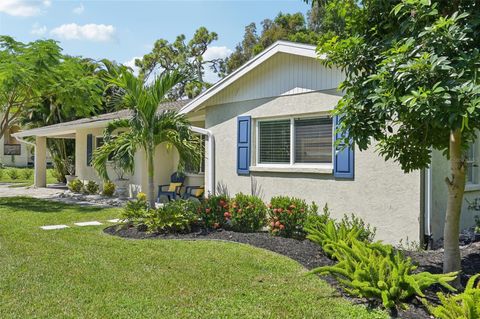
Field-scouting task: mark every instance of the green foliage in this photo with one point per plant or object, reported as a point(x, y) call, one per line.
point(174, 217)
point(212, 212)
point(2, 171)
point(375, 270)
point(327, 233)
point(477, 221)
point(287, 216)
point(13, 173)
point(465, 305)
point(247, 213)
point(181, 55)
point(76, 186)
point(91, 187)
point(136, 210)
point(27, 173)
point(108, 189)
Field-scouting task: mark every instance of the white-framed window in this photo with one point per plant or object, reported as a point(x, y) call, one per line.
point(295, 141)
point(201, 168)
point(472, 164)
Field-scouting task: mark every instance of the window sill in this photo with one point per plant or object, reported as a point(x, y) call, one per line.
point(194, 174)
point(292, 169)
point(472, 187)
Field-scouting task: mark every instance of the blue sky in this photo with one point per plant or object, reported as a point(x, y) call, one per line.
point(123, 30)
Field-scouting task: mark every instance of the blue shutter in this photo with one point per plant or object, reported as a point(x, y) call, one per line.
point(89, 149)
point(243, 144)
point(344, 159)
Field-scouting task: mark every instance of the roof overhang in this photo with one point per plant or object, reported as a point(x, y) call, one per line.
point(305, 50)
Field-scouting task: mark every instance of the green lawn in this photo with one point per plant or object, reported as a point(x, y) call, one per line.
point(84, 273)
point(22, 179)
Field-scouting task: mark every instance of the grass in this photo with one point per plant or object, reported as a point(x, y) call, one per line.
point(22, 180)
point(84, 273)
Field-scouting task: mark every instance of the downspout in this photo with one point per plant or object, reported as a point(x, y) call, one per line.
point(428, 207)
point(210, 188)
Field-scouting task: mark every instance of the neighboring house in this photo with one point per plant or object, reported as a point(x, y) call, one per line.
point(12, 152)
point(268, 131)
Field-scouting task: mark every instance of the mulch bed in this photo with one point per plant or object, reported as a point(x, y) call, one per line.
point(311, 256)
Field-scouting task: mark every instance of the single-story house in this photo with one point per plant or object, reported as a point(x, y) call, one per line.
point(268, 131)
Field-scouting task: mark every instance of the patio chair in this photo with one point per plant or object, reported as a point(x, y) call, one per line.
point(172, 190)
point(194, 192)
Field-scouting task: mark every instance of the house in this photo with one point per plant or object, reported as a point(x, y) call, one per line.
point(268, 131)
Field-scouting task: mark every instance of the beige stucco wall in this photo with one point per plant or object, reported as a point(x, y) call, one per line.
point(380, 193)
point(440, 170)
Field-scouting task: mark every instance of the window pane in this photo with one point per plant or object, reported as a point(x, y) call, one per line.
point(471, 165)
point(274, 144)
point(313, 140)
point(189, 168)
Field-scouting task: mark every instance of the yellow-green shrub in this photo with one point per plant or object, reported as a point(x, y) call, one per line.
point(108, 189)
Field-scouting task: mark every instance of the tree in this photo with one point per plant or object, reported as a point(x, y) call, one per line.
point(148, 127)
point(285, 26)
point(179, 55)
point(25, 76)
point(412, 85)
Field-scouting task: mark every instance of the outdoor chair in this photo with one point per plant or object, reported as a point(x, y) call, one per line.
point(172, 190)
point(194, 192)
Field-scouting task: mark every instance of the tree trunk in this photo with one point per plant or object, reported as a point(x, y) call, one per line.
point(456, 188)
point(151, 172)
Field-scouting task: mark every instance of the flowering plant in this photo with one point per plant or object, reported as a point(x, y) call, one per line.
point(247, 213)
point(214, 211)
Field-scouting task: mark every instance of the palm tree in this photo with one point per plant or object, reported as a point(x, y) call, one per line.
point(147, 128)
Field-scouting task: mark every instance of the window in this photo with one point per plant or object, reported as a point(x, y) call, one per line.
point(198, 170)
point(99, 142)
point(472, 167)
point(295, 141)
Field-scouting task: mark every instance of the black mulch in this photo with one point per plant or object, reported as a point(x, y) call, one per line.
point(311, 256)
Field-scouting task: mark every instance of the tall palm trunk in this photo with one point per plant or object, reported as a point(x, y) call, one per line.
point(151, 173)
point(456, 188)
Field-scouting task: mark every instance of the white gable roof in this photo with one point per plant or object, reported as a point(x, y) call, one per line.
point(289, 67)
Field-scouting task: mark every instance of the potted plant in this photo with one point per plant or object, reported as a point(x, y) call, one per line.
point(122, 182)
point(69, 163)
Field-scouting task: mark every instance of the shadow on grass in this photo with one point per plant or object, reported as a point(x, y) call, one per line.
point(42, 205)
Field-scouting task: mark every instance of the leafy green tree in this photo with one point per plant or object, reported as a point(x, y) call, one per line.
point(180, 55)
point(411, 84)
point(25, 76)
point(285, 26)
point(148, 127)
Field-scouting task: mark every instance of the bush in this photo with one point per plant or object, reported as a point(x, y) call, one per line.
point(13, 173)
point(1, 173)
point(91, 188)
point(326, 232)
point(378, 271)
point(247, 214)
point(27, 173)
point(135, 211)
point(287, 216)
point(76, 186)
point(108, 189)
point(477, 221)
point(465, 305)
point(212, 212)
point(174, 217)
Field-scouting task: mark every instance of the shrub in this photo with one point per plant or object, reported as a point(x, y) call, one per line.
point(91, 188)
point(27, 173)
point(136, 210)
point(108, 189)
point(1, 173)
point(212, 212)
point(13, 173)
point(247, 213)
point(76, 186)
point(287, 216)
point(174, 217)
point(465, 305)
point(477, 221)
point(378, 271)
point(326, 232)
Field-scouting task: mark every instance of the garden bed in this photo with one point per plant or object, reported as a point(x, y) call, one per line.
point(311, 256)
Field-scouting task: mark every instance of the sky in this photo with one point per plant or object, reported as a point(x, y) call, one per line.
point(124, 30)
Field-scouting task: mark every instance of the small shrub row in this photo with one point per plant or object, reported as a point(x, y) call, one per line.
point(91, 187)
point(15, 173)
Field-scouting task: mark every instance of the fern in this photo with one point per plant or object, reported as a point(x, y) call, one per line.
point(462, 306)
point(377, 271)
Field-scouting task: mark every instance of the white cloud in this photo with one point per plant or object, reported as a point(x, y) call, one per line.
point(92, 32)
point(131, 64)
point(79, 9)
point(20, 8)
point(47, 3)
point(38, 30)
point(213, 53)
